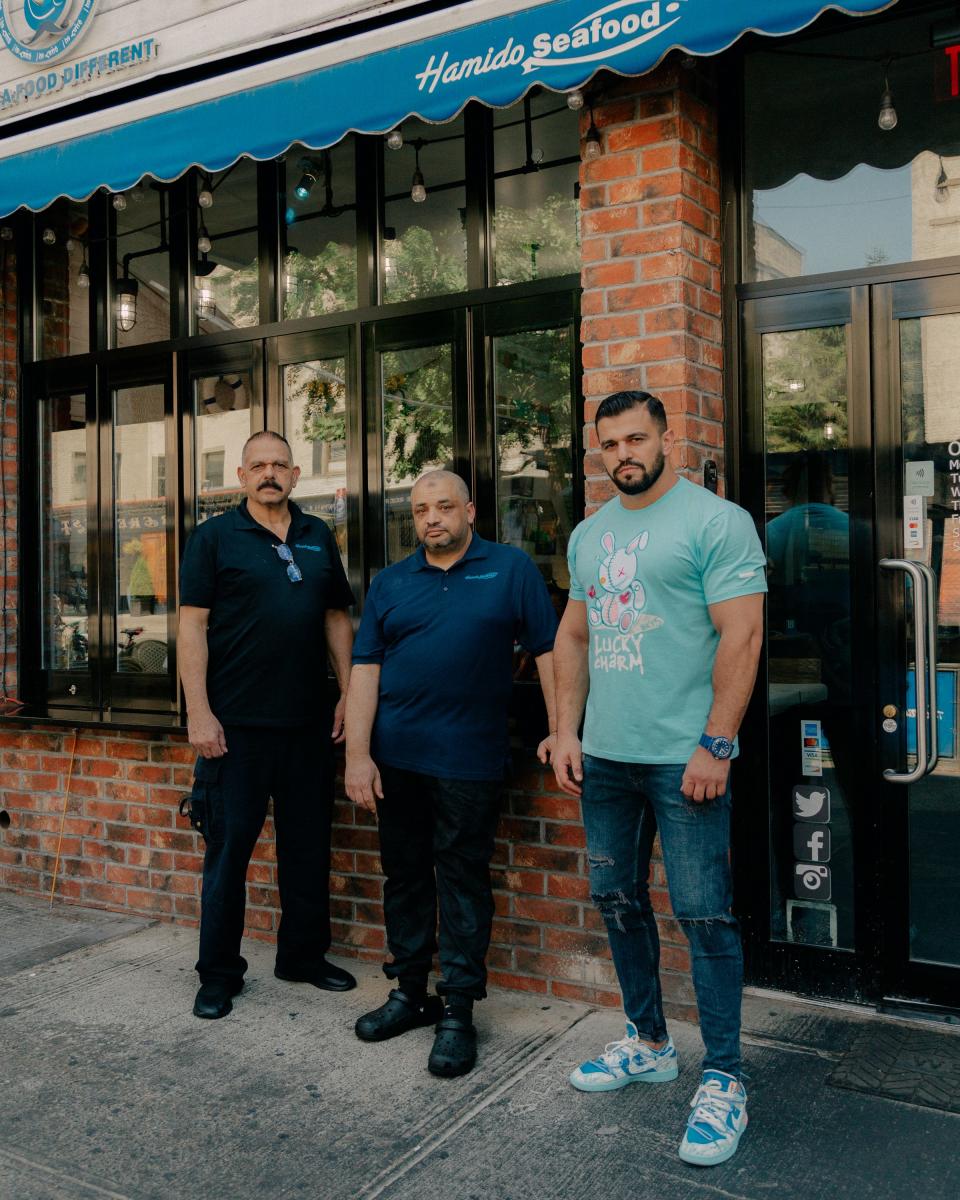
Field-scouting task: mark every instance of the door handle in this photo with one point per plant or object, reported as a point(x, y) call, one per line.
point(929, 575)
point(921, 628)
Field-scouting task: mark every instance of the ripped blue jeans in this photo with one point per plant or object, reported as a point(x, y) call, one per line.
point(624, 806)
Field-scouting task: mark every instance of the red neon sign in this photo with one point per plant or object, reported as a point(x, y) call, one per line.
point(953, 53)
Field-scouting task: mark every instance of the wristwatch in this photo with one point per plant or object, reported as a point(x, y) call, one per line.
point(719, 747)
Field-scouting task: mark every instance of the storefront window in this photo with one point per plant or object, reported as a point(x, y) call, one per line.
point(319, 230)
point(536, 171)
point(226, 284)
point(813, 752)
point(141, 255)
point(417, 432)
point(63, 283)
point(140, 547)
point(425, 213)
point(222, 425)
point(531, 384)
point(63, 507)
point(315, 423)
point(826, 188)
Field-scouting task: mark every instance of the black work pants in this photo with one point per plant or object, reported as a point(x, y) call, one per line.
point(436, 843)
point(295, 768)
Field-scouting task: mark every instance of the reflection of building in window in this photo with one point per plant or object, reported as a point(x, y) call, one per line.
point(776, 256)
point(213, 463)
point(160, 476)
point(79, 475)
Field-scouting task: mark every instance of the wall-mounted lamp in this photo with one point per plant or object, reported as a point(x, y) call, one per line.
point(204, 299)
point(126, 291)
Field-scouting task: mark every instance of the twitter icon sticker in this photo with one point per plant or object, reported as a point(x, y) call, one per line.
point(811, 803)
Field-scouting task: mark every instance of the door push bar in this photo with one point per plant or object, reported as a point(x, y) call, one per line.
point(925, 672)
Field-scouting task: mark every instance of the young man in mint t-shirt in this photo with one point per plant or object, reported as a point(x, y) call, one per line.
point(660, 639)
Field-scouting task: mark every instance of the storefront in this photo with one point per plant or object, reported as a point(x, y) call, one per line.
point(435, 237)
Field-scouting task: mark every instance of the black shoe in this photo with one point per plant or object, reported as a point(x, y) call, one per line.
point(399, 1014)
point(326, 976)
point(455, 1045)
point(213, 1001)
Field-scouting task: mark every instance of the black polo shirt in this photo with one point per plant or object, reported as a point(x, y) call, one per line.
point(268, 652)
point(444, 640)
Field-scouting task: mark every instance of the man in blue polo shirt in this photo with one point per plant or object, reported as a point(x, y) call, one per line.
point(263, 600)
point(427, 747)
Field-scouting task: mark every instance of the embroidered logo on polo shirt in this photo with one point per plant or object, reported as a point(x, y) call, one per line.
point(303, 546)
point(489, 575)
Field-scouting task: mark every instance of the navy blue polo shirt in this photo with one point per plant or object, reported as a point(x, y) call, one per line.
point(267, 649)
point(444, 640)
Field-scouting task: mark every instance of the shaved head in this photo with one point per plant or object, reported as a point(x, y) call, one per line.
point(444, 479)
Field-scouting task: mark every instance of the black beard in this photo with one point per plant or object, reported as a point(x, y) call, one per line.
point(645, 482)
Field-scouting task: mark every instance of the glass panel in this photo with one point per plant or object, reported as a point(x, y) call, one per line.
point(813, 756)
point(315, 424)
point(226, 278)
point(930, 362)
point(139, 441)
point(425, 242)
point(532, 388)
point(417, 389)
point(142, 254)
point(222, 425)
point(536, 153)
point(63, 284)
point(63, 508)
point(863, 195)
point(319, 231)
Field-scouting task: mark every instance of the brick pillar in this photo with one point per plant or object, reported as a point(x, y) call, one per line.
point(651, 263)
point(650, 208)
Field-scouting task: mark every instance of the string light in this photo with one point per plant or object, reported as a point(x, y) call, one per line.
point(887, 119)
point(592, 147)
point(83, 275)
point(575, 100)
point(205, 195)
point(49, 237)
point(418, 189)
point(119, 201)
point(204, 244)
point(395, 139)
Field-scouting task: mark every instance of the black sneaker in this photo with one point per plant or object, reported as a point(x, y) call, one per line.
point(455, 1044)
point(398, 1015)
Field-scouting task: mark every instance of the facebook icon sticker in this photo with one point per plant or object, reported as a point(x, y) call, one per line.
point(811, 843)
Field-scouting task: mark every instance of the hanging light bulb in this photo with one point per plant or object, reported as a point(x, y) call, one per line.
point(137, 194)
point(6, 234)
point(887, 119)
point(49, 237)
point(592, 147)
point(205, 195)
point(418, 189)
point(395, 139)
point(205, 301)
point(941, 188)
point(307, 180)
point(83, 275)
point(204, 245)
point(125, 303)
point(575, 99)
point(119, 201)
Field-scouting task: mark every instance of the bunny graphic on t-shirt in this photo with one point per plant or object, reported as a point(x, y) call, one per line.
point(625, 597)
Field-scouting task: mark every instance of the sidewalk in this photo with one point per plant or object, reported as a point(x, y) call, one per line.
point(109, 1087)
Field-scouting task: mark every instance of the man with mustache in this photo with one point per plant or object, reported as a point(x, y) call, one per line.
point(427, 748)
point(663, 629)
point(263, 607)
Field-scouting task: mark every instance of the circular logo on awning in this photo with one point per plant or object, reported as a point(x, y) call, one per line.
point(45, 28)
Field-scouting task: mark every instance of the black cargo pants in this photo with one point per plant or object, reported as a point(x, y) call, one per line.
point(295, 768)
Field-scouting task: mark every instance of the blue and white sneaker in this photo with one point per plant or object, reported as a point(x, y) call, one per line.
point(626, 1061)
point(717, 1122)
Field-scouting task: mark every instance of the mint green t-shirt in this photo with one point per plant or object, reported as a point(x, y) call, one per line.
point(647, 577)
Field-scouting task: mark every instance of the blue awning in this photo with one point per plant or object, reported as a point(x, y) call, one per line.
point(345, 87)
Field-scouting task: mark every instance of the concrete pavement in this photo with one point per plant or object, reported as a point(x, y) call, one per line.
point(109, 1087)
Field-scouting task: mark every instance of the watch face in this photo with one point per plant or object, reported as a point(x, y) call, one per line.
point(721, 748)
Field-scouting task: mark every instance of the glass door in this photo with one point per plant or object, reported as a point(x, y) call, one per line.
point(918, 490)
point(848, 817)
